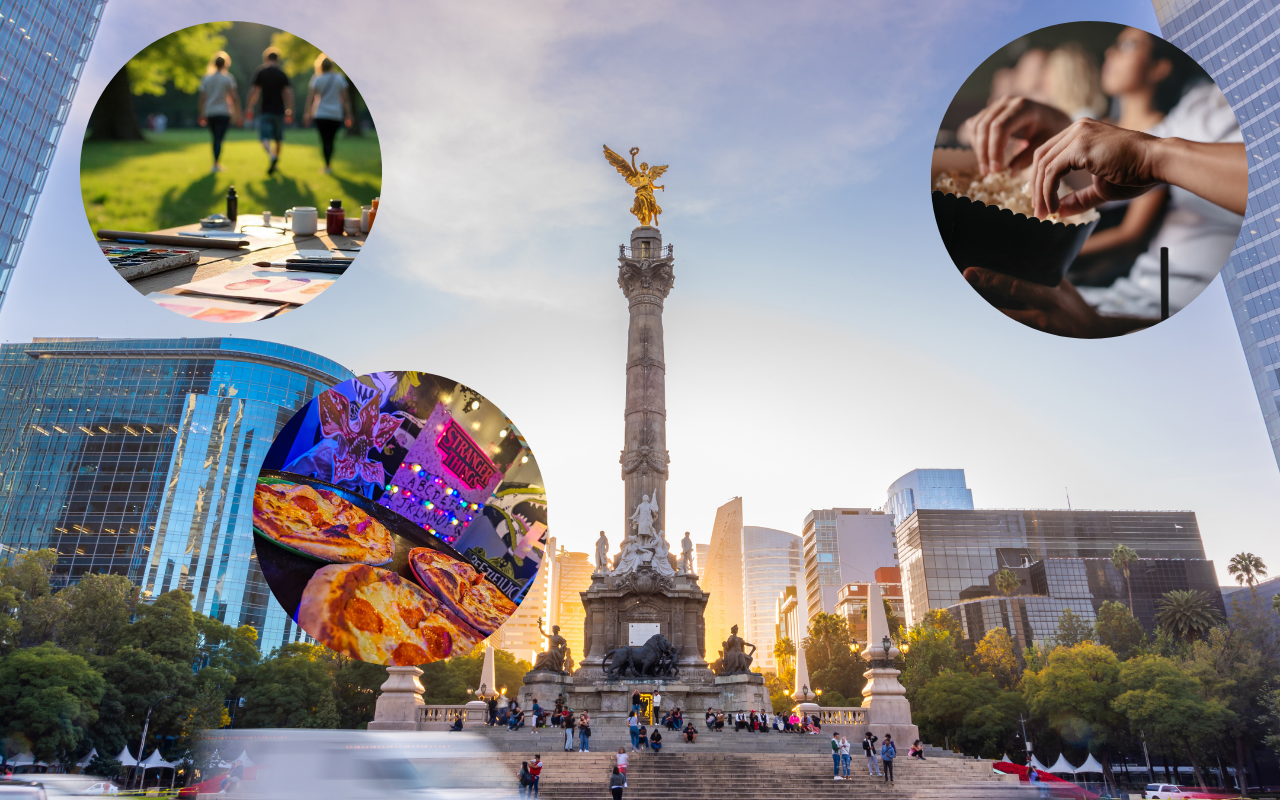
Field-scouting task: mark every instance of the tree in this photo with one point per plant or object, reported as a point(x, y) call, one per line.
point(448, 681)
point(30, 573)
point(1116, 628)
point(891, 616)
point(784, 652)
point(1167, 704)
point(355, 688)
point(1007, 581)
point(10, 627)
point(995, 655)
point(833, 666)
point(48, 697)
point(167, 628)
point(933, 647)
point(1122, 558)
point(942, 620)
point(1072, 629)
point(970, 710)
point(1247, 568)
point(291, 689)
point(179, 59)
point(298, 56)
point(135, 681)
point(38, 612)
point(98, 611)
point(1074, 695)
point(1187, 614)
point(1234, 671)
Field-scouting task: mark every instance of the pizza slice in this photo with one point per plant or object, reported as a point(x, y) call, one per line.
point(377, 616)
point(462, 589)
point(320, 524)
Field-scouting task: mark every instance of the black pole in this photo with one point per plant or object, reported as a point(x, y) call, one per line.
point(1164, 283)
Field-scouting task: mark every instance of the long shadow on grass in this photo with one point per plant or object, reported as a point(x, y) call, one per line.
point(364, 191)
point(185, 206)
point(276, 193)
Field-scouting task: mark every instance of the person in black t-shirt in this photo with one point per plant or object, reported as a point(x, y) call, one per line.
point(272, 86)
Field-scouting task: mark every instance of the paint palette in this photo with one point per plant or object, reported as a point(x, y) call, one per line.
point(139, 262)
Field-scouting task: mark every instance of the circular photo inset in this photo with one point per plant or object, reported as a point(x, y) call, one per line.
point(231, 172)
point(399, 518)
point(1089, 179)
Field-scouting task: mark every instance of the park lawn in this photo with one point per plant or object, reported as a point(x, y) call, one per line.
point(166, 180)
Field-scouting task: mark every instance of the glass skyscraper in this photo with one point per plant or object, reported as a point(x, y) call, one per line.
point(43, 46)
point(927, 488)
point(771, 561)
point(1237, 42)
point(137, 457)
point(843, 546)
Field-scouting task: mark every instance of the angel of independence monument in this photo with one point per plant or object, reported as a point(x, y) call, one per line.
point(644, 609)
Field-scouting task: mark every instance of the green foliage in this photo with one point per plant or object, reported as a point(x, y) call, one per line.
point(933, 647)
point(37, 613)
point(166, 627)
point(833, 699)
point(1007, 581)
point(1072, 629)
point(833, 667)
point(103, 766)
point(297, 55)
point(1189, 614)
point(291, 689)
point(30, 572)
point(971, 710)
point(1074, 694)
point(995, 656)
point(10, 627)
point(779, 686)
point(135, 680)
point(180, 58)
point(448, 681)
point(98, 611)
point(48, 697)
point(1247, 569)
point(784, 652)
point(1117, 628)
point(355, 688)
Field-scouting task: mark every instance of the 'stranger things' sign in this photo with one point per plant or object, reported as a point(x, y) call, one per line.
point(463, 457)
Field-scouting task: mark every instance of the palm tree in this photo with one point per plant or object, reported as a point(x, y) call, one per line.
point(1187, 614)
point(1121, 558)
point(784, 651)
point(1247, 568)
point(1007, 581)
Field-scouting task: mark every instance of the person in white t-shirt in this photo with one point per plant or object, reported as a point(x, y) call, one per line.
point(218, 103)
point(328, 105)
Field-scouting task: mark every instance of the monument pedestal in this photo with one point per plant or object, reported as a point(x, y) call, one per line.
point(888, 711)
point(743, 693)
point(400, 703)
point(544, 686)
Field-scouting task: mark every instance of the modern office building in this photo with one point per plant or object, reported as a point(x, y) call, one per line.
point(843, 546)
point(570, 576)
point(700, 559)
point(927, 488)
point(1264, 594)
point(771, 561)
point(1049, 585)
point(1236, 41)
point(43, 47)
point(945, 552)
point(519, 635)
point(789, 615)
point(722, 576)
point(851, 602)
point(137, 457)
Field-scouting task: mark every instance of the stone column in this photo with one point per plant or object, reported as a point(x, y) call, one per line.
point(400, 704)
point(646, 277)
point(804, 694)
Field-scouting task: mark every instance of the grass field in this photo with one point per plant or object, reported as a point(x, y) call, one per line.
point(166, 180)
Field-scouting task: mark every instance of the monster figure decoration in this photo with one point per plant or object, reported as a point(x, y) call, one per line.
point(736, 659)
point(602, 555)
point(656, 658)
point(557, 653)
point(645, 208)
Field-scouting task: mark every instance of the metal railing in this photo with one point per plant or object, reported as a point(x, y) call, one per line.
point(666, 251)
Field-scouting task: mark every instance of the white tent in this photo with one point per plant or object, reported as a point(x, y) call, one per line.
point(244, 760)
point(84, 762)
point(22, 760)
point(1090, 765)
point(1035, 762)
point(125, 759)
point(1062, 766)
point(1005, 757)
point(154, 760)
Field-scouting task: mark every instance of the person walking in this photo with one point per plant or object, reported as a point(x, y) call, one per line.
point(328, 104)
point(218, 104)
point(844, 756)
point(584, 733)
point(493, 711)
point(621, 760)
point(633, 725)
point(537, 715)
point(617, 781)
point(835, 756)
point(535, 772)
point(888, 752)
point(272, 86)
point(568, 731)
point(869, 750)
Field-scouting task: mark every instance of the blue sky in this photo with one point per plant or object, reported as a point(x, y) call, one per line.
point(819, 341)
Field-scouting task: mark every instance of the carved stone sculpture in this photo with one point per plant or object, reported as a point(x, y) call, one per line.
point(736, 659)
point(602, 554)
point(656, 658)
point(686, 555)
point(557, 653)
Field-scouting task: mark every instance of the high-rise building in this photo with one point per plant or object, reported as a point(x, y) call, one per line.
point(945, 552)
point(771, 561)
point(700, 557)
point(723, 576)
point(137, 457)
point(43, 46)
point(927, 488)
point(570, 576)
point(519, 635)
point(789, 615)
point(1236, 41)
point(851, 602)
point(843, 546)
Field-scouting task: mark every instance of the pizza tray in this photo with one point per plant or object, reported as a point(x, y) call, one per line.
point(287, 571)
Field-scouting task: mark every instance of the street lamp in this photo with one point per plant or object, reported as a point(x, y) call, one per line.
point(143, 742)
point(887, 645)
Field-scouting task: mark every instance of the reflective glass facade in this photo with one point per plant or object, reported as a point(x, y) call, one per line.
point(843, 546)
point(43, 46)
point(942, 552)
point(927, 488)
point(771, 561)
point(1237, 42)
point(138, 457)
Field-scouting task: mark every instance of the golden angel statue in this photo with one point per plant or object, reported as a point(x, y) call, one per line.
point(646, 208)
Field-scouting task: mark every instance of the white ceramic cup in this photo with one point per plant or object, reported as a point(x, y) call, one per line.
point(302, 219)
point(266, 219)
point(351, 226)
